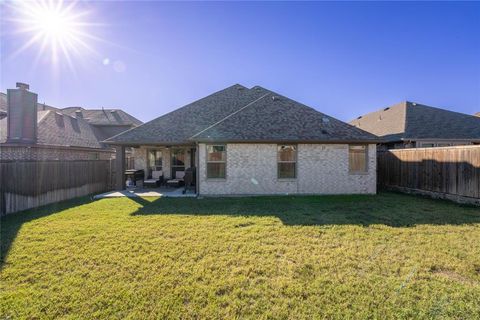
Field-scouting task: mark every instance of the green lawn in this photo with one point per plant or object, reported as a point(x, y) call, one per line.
point(385, 256)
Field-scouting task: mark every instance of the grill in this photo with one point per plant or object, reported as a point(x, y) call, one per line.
point(134, 175)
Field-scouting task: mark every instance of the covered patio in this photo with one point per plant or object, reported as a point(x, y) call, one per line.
point(156, 162)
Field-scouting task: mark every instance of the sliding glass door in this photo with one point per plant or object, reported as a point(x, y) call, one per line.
point(154, 158)
point(178, 160)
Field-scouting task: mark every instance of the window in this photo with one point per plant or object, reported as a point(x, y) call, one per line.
point(178, 160)
point(428, 145)
point(216, 161)
point(154, 161)
point(287, 162)
point(357, 159)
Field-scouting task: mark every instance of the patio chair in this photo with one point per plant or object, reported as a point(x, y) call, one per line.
point(155, 181)
point(178, 181)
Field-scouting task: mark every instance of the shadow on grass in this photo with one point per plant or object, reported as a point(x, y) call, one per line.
point(387, 208)
point(11, 224)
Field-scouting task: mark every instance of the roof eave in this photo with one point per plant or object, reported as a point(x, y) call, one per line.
point(148, 143)
point(336, 141)
point(441, 139)
point(193, 141)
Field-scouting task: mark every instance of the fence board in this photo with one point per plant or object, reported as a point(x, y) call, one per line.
point(28, 184)
point(447, 170)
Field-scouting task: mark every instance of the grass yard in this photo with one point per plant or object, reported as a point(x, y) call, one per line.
point(357, 257)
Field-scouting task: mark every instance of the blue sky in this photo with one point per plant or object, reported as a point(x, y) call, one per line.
point(342, 58)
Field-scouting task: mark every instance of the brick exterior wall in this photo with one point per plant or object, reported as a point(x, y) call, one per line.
point(321, 169)
point(52, 153)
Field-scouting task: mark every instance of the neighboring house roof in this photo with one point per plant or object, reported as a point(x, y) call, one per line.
point(413, 121)
point(62, 127)
point(104, 117)
point(241, 114)
point(57, 129)
point(4, 106)
point(3, 102)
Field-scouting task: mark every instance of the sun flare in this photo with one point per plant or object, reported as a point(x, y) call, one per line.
point(58, 28)
point(53, 24)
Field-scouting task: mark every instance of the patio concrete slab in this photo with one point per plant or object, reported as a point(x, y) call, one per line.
point(140, 192)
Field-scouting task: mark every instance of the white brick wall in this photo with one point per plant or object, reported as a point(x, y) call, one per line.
point(321, 169)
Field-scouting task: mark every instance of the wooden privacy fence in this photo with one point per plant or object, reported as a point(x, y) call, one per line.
point(29, 184)
point(451, 172)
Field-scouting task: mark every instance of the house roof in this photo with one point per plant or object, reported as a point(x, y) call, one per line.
point(104, 117)
point(413, 121)
point(3, 102)
point(243, 115)
point(4, 105)
point(57, 129)
point(62, 127)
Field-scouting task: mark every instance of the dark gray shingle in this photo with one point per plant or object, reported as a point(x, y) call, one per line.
point(55, 128)
point(240, 114)
point(409, 120)
point(104, 117)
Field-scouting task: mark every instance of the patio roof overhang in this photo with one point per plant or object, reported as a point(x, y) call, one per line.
point(148, 143)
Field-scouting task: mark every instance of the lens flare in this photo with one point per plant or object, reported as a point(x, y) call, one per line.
point(60, 30)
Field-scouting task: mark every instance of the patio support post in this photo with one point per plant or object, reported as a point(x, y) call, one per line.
point(197, 170)
point(120, 168)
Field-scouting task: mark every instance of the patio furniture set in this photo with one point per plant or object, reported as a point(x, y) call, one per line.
point(182, 179)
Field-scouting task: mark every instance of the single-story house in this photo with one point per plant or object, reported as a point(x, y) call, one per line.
point(254, 141)
point(414, 125)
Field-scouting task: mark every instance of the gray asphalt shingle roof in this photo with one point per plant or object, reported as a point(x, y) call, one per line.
point(62, 127)
point(409, 120)
point(57, 129)
point(104, 116)
point(241, 114)
point(3, 102)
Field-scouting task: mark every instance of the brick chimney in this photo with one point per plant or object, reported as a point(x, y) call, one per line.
point(22, 115)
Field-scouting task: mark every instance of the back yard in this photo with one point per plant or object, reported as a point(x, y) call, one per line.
point(385, 256)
